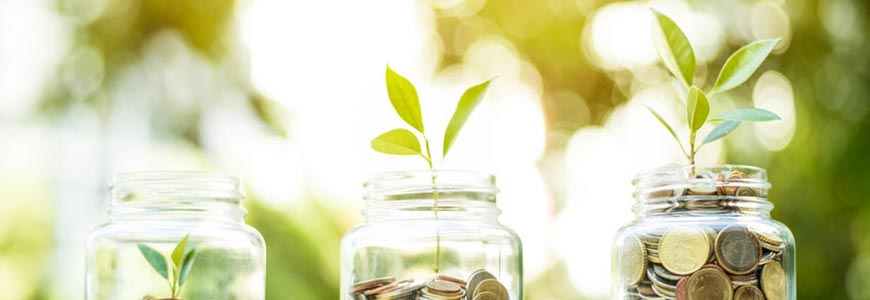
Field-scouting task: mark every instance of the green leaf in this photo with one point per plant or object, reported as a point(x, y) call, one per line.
point(671, 130)
point(186, 265)
point(398, 142)
point(155, 259)
point(697, 108)
point(467, 103)
point(178, 252)
point(403, 96)
point(751, 114)
point(721, 130)
point(740, 66)
point(673, 48)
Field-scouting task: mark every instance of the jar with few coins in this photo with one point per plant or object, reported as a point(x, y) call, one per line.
point(431, 235)
point(703, 232)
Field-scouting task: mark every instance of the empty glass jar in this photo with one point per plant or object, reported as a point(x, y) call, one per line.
point(133, 255)
point(704, 233)
point(431, 235)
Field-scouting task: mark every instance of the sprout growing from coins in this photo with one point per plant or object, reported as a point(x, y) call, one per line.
point(400, 141)
point(676, 52)
point(182, 261)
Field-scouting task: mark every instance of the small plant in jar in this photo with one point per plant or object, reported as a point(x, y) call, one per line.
point(480, 284)
point(704, 232)
point(181, 260)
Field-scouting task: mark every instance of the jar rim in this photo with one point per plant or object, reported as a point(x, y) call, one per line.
point(151, 176)
point(188, 185)
point(693, 188)
point(665, 175)
point(414, 184)
point(392, 179)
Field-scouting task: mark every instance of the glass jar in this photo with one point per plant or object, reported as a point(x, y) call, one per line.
point(431, 235)
point(703, 233)
point(151, 213)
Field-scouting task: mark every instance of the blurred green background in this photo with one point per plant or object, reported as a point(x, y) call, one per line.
point(286, 94)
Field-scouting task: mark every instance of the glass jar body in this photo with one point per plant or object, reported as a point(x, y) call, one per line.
point(229, 260)
point(415, 239)
point(705, 237)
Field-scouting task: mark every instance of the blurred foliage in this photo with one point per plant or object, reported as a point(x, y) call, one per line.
point(302, 250)
point(821, 181)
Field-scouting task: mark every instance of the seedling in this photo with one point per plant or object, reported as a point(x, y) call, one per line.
point(401, 141)
point(676, 52)
point(182, 261)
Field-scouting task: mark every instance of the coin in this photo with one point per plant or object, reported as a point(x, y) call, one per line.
point(748, 292)
point(443, 287)
point(492, 286)
point(388, 287)
point(773, 281)
point(632, 263)
point(475, 279)
point(682, 291)
point(745, 191)
point(662, 291)
point(769, 237)
point(660, 281)
point(702, 188)
point(455, 280)
point(709, 284)
point(371, 283)
point(737, 249)
point(664, 273)
point(684, 250)
point(486, 296)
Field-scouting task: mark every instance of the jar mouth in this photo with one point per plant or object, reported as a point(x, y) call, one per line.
point(423, 184)
point(169, 185)
point(691, 188)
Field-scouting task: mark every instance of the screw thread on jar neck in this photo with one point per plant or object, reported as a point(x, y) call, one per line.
point(182, 194)
point(702, 191)
point(410, 195)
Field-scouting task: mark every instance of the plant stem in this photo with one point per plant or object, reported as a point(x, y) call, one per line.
point(434, 209)
point(692, 148)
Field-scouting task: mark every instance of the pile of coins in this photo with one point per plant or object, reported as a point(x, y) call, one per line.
point(481, 285)
point(700, 262)
point(727, 190)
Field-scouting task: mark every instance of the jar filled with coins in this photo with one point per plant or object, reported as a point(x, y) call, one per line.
point(176, 235)
point(703, 233)
point(431, 235)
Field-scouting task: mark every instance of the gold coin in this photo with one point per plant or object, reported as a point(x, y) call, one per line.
point(632, 260)
point(486, 296)
point(773, 281)
point(748, 292)
point(443, 287)
point(709, 284)
point(769, 237)
point(745, 191)
point(684, 250)
point(492, 286)
point(737, 249)
point(474, 280)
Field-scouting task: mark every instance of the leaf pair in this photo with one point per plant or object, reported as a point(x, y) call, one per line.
point(403, 96)
point(181, 258)
point(676, 53)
